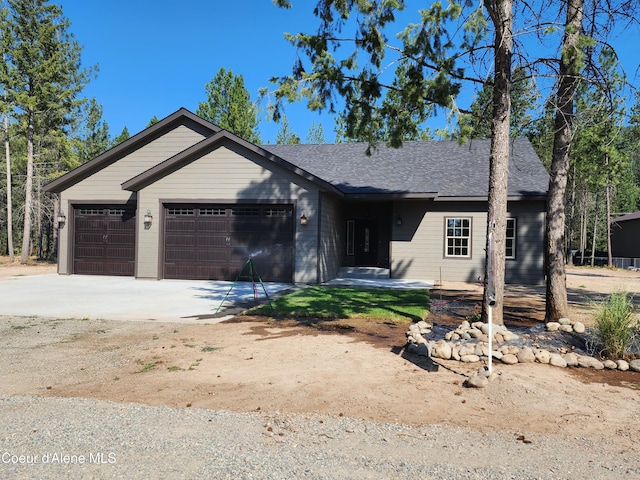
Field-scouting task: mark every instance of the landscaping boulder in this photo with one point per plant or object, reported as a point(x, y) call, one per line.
point(634, 365)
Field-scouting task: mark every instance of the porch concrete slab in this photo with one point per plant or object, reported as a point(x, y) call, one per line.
point(391, 283)
point(127, 298)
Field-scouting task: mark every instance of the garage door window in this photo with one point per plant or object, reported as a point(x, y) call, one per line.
point(245, 212)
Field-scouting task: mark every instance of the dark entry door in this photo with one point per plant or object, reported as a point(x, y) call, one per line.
point(104, 241)
point(366, 243)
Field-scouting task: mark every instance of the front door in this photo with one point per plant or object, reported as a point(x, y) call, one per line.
point(366, 243)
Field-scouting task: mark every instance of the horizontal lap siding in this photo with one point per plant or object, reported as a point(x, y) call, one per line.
point(332, 239)
point(418, 244)
point(226, 175)
point(106, 184)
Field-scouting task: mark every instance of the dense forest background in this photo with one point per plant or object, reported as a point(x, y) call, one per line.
point(49, 128)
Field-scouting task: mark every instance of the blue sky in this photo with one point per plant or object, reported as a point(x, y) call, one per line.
point(156, 56)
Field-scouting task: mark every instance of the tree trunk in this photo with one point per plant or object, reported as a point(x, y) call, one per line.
point(608, 201)
point(502, 17)
point(7, 153)
point(28, 196)
point(556, 304)
point(595, 234)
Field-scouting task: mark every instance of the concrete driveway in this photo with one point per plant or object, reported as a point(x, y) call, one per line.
point(125, 298)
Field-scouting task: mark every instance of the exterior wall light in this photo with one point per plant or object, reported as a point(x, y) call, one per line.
point(61, 219)
point(399, 221)
point(303, 219)
point(148, 219)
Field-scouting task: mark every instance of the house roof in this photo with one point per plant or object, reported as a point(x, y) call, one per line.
point(133, 143)
point(629, 216)
point(437, 168)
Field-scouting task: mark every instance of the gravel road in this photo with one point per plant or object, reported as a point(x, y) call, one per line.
point(51, 438)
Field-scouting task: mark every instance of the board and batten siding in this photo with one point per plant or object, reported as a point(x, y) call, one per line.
point(230, 174)
point(105, 185)
point(332, 238)
point(418, 245)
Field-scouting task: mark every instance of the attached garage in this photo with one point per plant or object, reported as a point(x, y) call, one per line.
point(104, 240)
point(214, 242)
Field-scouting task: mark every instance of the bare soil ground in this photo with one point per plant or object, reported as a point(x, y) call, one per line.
point(360, 370)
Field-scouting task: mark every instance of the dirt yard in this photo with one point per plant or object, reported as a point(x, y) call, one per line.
point(250, 364)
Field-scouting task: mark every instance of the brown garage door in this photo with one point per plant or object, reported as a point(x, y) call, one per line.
point(214, 242)
point(104, 241)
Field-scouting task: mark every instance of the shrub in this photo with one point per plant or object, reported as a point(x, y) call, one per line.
point(615, 325)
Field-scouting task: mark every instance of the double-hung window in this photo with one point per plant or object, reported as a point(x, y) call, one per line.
point(510, 242)
point(458, 237)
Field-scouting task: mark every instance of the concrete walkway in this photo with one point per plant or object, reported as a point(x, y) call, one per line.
point(126, 298)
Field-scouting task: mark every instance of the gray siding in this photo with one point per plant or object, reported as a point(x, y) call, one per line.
point(227, 175)
point(418, 245)
point(332, 238)
point(105, 185)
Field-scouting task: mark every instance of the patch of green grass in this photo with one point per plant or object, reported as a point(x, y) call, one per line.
point(175, 368)
point(209, 349)
point(616, 325)
point(19, 327)
point(333, 303)
point(145, 366)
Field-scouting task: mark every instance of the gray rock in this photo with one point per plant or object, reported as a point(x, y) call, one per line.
point(497, 354)
point(469, 358)
point(610, 364)
point(634, 365)
point(465, 336)
point(557, 361)
point(566, 328)
point(590, 362)
point(622, 365)
point(509, 359)
point(553, 326)
point(477, 381)
point(543, 356)
point(571, 359)
point(526, 355)
point(579, 327)
point(564, 321)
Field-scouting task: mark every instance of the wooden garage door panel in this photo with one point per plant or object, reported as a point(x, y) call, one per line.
point(104, 241)
point(223, 237)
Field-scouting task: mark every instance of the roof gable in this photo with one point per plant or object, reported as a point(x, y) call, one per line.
point(180, 117)
point(221, 138)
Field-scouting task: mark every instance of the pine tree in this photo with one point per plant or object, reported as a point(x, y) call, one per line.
point(229, 106)
point(45, 80)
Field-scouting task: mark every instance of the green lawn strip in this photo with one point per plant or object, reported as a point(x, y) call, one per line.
point(333, 303)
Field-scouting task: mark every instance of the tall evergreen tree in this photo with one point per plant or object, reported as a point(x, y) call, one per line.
point(124, 135)
point(45, 79)
point(428, 75)
point(316, 134)
point(229, 106)
point(286, 136)
point(94, 136)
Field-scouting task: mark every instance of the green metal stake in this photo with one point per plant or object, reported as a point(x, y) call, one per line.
point(252, 273)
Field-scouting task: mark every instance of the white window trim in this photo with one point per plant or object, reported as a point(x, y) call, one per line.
point(447, 237)
point(514, 239)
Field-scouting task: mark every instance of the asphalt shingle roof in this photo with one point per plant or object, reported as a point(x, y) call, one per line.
point(445, 168)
